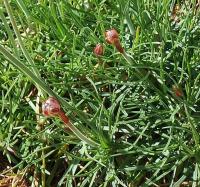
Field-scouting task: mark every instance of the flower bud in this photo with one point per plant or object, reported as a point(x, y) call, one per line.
point(111, 36)
point(98, 50)
point(177, 91)
point(51, 107)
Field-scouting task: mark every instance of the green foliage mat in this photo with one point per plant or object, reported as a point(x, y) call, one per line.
point(135, 115)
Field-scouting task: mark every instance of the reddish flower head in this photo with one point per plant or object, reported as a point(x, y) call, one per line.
point(177, 91)
point(98, 50)
point(111, 36)
point(51, 107)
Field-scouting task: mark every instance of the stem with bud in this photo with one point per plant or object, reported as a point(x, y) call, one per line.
point(51, 108)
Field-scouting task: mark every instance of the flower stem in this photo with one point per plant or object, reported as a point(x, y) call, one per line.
point(127, 58)
point(69, 125)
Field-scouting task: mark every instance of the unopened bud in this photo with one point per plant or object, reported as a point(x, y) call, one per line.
point(177, 91)
point(112, 37)
point(98, 50)
point(51, 107)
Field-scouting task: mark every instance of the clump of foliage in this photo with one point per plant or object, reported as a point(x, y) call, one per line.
point(139, 105)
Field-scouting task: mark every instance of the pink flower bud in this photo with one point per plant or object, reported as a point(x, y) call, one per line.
point(98, 50)
point(111, 36)
point(51, 107)
point(177, 91)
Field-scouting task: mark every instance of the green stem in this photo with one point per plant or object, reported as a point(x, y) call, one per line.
point(129, 23)
point(43, 169)
point(66, 121)
point(25, 52)
point(194, 131)
point(10, 34)
point(127, 58)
